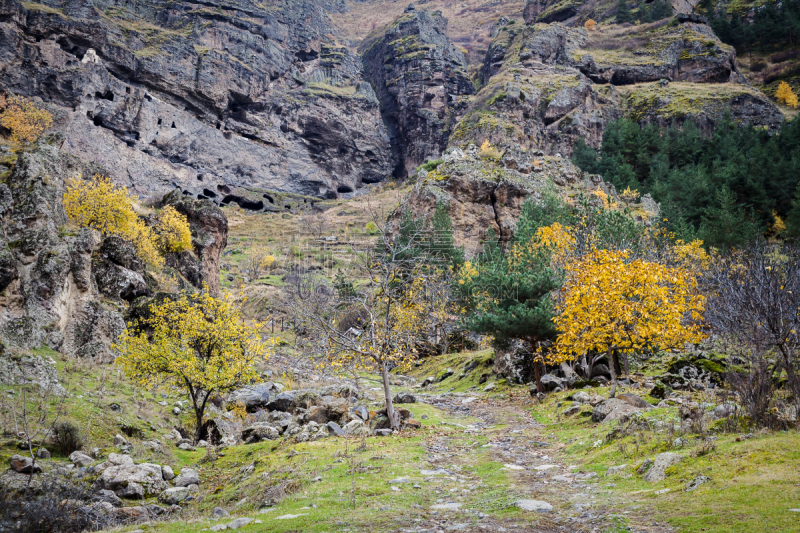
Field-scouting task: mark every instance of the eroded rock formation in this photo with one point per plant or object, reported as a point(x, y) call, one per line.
point(182, 95)
point(422, 83)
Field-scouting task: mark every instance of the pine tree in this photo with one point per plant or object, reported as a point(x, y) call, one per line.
point(793, 218)
point(623, 12)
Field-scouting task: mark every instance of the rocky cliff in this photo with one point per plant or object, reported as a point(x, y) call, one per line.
point(200, 96)
point(66, 288)
point(422, 83)
point(483, 193)
point(547, 85)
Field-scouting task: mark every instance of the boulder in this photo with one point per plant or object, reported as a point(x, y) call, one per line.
point(221, 431)
point(355, 428)
point(661, 463)
point(174, 495)
point(120, 459)
point(660, 391)
point(253, 397)
point(119, 440)
point(118, 271)
point(335, 408)
point(404, 397)
point(80, 459)
point(132, 480)
point(260, 431)
point(613, 409)
point(108, 496)
point(282, 402)
point(362, 412)
point(335, 429)
point(551, 382)
point(167, 473)
point(581, 397)
point(188, 476)
point(601, 370)
point(23, 465)
point(444, 375)
point(725, 410)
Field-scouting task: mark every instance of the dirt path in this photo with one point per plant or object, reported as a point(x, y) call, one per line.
point(536, 469)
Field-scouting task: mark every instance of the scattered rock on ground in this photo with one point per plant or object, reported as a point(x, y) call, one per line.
point(188, 476)
point(534, 505)
point(661, 463)
point(23, 465)
point(696, 482)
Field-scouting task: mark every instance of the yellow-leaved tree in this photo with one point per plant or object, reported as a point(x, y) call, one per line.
point(197, 343)
point(786, 95)
point(614, 305)
point(257, 259)
point(173, 232)
point(101, 205)
point(24, 119)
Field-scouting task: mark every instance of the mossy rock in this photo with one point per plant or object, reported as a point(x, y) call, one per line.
point(583, 383)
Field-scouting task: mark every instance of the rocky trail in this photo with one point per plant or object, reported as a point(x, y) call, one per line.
point(541, 480)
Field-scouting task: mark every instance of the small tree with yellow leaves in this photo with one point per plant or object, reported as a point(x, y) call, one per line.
point(786, 95)
point(173, 232)
point(590, 25)
point(25, 120)
point(489, 151)
point(256, 260)
point(197, 343)
point(610, 304)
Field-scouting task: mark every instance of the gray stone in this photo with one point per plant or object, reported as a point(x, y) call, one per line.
point(725, 410)
point(119, 459)
point(582, 397)
point(253, 397)
point(119, 440)
point(219, 512)
point(105, 495)
point(661, 463)
point(696, 482)
point(383, 432)
point(450, 506)
point(572, 410)
point(613, 409)
point(356, 428)
point(335, 429)
point(42, 453)
point(174, 495)
point(23, 464)
point(188, 476)
point(534, 505)
point(129, 480)
point(80, 459)
point(167, 473)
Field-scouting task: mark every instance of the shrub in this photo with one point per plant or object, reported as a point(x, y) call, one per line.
point(173, 231)
point(590, 25)
point(431, 165)
point(786, 55)
point(487, 151)
point(100, 205)
point(371, 228)
point(66, 437)
point(23, 119)
point(758, 65)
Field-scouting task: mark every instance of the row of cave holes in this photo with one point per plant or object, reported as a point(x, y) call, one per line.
point(244, 203)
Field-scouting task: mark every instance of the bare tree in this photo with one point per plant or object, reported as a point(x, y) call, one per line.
point(753, 305)
point(374, 321)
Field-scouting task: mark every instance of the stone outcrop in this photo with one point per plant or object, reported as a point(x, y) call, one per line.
point(65, 288)
point(54, 299)
point(174, 94)
point(209, 238)
point(421, 79)
point(547, 85)
point(482, 194)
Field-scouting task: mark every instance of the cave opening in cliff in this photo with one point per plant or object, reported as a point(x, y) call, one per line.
point(343, 189)
point(107, 95)
point(269, 198)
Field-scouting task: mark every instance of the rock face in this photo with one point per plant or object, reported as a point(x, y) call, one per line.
point(175, 95)
point(482, 194)
point(547, 85)
point(421, 80)
point(54, 299)
point(209, 238)
point(132, 481)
